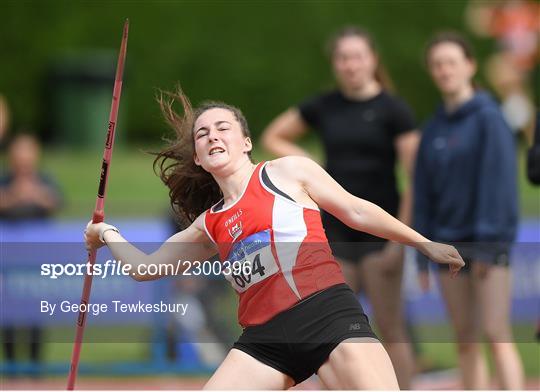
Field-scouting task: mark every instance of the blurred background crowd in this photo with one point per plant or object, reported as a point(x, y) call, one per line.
point(56, 82)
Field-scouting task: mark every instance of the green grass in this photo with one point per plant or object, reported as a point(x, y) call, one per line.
point(134, 189)
point(444, 355)
point(435, 346)
point(98, 353)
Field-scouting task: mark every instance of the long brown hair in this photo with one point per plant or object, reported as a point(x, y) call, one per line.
point(381, 75)
point(192, 190)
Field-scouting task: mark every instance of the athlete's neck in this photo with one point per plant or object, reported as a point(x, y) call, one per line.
point(455, 100)
point(233, 184)
point(361, 93)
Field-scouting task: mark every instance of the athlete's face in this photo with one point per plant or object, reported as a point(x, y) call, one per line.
point(354, 62)
point(450, 69)
point(219, 140)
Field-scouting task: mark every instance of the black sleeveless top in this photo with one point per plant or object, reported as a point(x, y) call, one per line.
point(359, 141)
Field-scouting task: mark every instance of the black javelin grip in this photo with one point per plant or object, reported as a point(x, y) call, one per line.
point(105, 165)
point(99, 214)
point(103, 179)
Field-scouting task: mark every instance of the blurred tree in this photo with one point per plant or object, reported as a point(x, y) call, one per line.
point(256, 55)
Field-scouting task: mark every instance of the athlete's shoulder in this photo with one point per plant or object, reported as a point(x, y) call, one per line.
point(199, 224)
point(292, 166)
point(194, 233)
point(199, 230)
point(289, 162)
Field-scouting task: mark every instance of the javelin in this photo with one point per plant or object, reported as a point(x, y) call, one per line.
point(99, 214)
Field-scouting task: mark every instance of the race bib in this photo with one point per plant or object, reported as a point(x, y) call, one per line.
point(254, 255)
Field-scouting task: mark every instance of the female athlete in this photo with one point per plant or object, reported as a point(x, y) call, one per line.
point(299, 317)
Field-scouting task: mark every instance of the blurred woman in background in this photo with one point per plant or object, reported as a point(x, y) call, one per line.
point(364, 130)
point(466, 192)
point(27, 196)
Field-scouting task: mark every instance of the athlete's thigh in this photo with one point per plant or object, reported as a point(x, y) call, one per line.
point(241, 371)
point(358, 363)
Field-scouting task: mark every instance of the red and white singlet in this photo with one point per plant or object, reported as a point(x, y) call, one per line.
point(284, 242)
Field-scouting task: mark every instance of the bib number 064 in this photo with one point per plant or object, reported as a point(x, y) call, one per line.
point(256, 268)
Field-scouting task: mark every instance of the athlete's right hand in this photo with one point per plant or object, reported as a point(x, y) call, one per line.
point(443, 254)
point(92, 235)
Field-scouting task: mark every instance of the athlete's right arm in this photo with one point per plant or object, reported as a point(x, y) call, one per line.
point(187, 245)
point(279, 137)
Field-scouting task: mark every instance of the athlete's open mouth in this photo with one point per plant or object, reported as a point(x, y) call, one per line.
point(216, 150)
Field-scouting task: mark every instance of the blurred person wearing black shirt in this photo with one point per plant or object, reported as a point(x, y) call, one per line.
point(365, 131)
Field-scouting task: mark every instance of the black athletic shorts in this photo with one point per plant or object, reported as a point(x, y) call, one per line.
point(299, 340)
point(347, 244)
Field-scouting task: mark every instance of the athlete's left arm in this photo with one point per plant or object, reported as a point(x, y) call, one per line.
point(363, 215)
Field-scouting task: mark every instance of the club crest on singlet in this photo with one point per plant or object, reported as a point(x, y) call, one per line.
point(235, 230)
point(233, 226)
